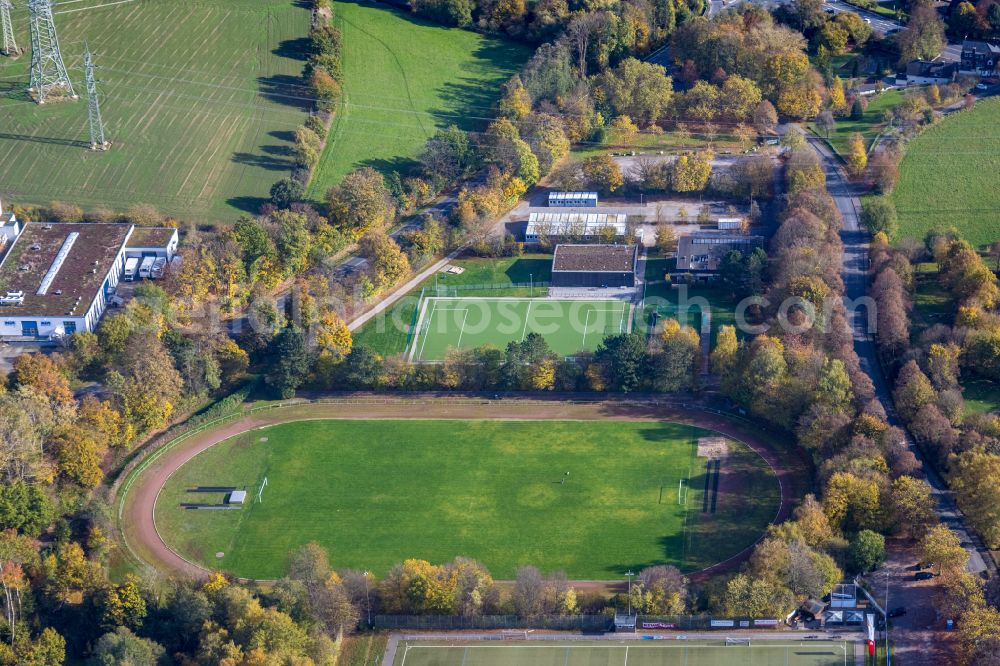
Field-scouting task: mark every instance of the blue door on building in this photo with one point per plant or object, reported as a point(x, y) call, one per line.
point(69, 327)
point(29, 329)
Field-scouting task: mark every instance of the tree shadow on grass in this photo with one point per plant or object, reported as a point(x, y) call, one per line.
point(286, 90)
point(404, 166)
point(295, 49)
point(524, 270)
point(283, 135)
point(247, 204)
point(280, 151)
point(262, 161)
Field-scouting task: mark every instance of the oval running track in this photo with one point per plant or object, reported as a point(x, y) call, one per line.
point(138, 529)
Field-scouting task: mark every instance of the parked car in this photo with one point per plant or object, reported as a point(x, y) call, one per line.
point(868, 21)
point(923, 575)
point(981, 86)
point(897, 612)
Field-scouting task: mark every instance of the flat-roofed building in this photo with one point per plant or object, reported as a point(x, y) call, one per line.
point(594, 266)
point(57, 279)
point(152, 242)
point(577, 227)
point(703, 251)
point(573, 199)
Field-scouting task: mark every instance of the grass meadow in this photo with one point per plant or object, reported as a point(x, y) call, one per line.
point(590, 498)
point(199, 97)
point(404, 78)
point(949, 175)
point(869, 126)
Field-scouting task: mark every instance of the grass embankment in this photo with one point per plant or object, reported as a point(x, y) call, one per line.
point(389, 333)
point(949, 177)
point(870, 125)
point(590, 498)
point(200, 100)
point(404, 78)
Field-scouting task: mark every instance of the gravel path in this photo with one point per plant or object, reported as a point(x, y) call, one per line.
point(144, 541)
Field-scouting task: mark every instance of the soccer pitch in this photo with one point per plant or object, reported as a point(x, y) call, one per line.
point(569, 326)
point(591, 498)
point(626, 653)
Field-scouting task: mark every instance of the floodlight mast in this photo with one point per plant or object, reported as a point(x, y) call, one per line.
point(49, 78)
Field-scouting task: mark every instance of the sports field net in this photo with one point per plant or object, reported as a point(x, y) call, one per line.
point(667, 652)
point(569, 326)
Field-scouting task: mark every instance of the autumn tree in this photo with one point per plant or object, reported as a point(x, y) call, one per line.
point(857, 154)
point(852, 503)
point(388, 263)
point(603, 173)
point(942, 547)
point(691, 171)
point(640, 90)
point(360, 203)
point(972, 477)
point(912, 506)
point(923, 37)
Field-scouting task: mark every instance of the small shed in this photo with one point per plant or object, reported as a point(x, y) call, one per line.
point(237, 497)
point(730, 223)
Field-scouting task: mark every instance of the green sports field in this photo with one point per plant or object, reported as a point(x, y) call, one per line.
point(625, 653)
point(403, 78)
point(200, 99)
point(590, 498)
point(569, 326)
point(948, 177)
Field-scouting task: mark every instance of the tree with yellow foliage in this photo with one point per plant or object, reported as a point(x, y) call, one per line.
point(851, 503)
point(516, 102)
point(942, 547)
point(857, 155)
point(332, 335)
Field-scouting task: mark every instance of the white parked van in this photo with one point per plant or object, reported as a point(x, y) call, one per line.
point(146, 267)
point(131, 268)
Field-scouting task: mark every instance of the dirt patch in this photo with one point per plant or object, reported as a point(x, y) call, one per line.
point(138, 529)
point(715, 448)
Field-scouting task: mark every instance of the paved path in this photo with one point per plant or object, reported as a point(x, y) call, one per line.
point(136, 504)
point(855, 275)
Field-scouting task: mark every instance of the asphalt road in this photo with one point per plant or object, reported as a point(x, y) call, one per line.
point(855, 274)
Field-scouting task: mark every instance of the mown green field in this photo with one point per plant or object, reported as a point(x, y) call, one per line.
point(704, 652)
point(404, 78)
point(949, 177)
point(389, 333)
point(200, 99)
point(376, 492)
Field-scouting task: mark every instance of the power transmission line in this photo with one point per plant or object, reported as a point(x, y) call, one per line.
point(9, 45)
point(97, 140)
point(49, 78)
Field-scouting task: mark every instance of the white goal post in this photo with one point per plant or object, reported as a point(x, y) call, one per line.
point(260, 492)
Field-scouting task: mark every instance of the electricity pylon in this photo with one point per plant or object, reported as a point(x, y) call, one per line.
point(9, 45)
point(97, 140)
point(49, 78)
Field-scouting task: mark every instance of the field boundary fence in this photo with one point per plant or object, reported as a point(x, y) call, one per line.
point(584, 623)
